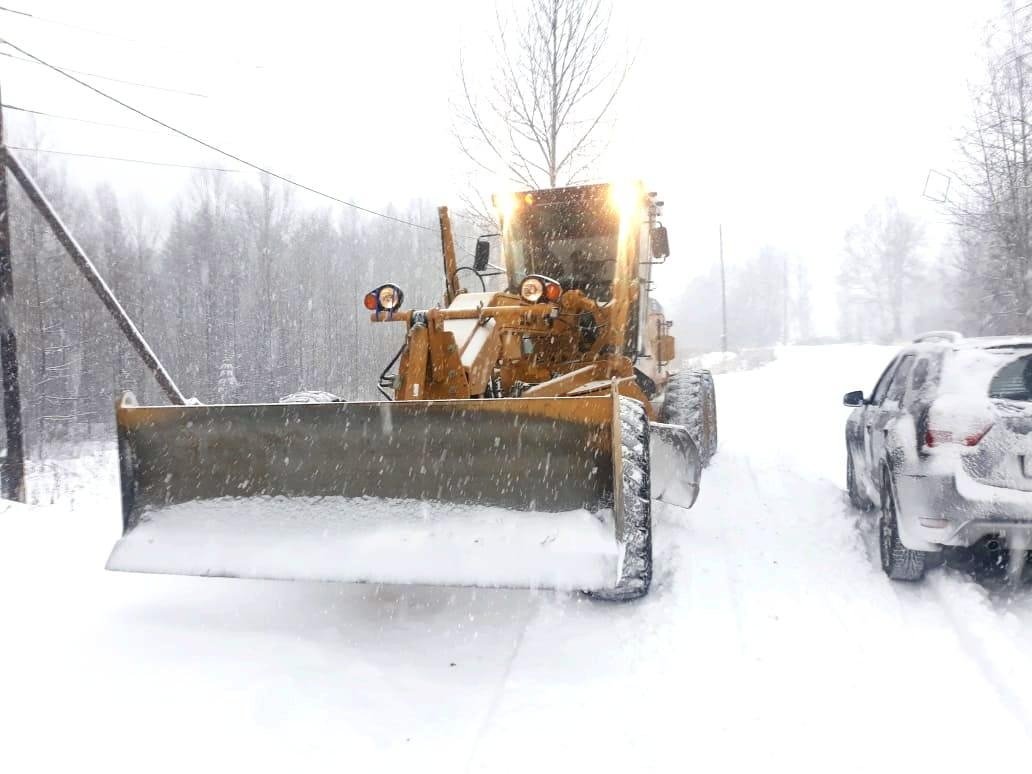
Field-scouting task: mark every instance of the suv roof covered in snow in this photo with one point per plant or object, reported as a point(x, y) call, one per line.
point(971, 366)
point(954, 340)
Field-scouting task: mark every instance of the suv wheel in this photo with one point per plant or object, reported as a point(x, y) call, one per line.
point(857, 498)
point(898, 561)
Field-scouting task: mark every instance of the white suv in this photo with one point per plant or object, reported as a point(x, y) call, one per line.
point(944, 447)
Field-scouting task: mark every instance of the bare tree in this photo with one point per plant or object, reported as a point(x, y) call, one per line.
point(537, 120)
point(877, 276)
point(760, 300)
point(994, 210)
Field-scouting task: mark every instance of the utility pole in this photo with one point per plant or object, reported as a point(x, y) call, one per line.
point(784, 301)
point(723, 292)
point(12, 465)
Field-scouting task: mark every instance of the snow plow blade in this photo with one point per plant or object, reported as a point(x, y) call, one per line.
point(505, 492)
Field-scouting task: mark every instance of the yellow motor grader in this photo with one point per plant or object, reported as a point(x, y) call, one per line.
point(525, 433)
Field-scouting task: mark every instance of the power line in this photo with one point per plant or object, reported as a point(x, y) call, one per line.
point(466, 237)
point(79, 120)
point(113, 36)
point(215, 148)
point(161, 164)
point(47, 20)
point(44, 113)
point(119, 158)
point(109, 78)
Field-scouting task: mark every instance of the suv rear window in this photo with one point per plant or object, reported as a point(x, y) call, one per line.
point(1013, 381)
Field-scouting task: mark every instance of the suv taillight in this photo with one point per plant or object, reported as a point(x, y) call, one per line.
point(939, 437)
point(958, 424)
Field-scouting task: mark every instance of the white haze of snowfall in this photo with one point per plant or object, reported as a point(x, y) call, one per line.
point(894, 115)
point(771, 640)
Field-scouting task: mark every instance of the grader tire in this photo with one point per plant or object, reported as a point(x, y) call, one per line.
point(636, 571)
point(690, 401)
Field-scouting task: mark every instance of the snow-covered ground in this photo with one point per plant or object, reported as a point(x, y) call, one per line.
point(771, 641)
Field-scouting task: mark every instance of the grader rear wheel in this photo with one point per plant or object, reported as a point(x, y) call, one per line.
point(691, 401)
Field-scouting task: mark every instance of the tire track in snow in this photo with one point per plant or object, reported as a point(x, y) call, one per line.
point(944, 588)
point(729, 575)
point(780, 537)
point(939, 647)
point(977, 647)
point(786, 482)
point(499, 691)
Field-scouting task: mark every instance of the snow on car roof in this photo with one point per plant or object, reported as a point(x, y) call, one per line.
point(994, 342)
point(977, 361)
point(972, 362)
point(940, 340)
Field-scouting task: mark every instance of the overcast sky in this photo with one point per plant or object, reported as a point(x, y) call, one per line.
point(782, 120)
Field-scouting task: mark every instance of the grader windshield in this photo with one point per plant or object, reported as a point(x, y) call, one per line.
point(569, 234)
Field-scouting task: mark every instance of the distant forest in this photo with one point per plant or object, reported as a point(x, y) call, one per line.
point(245, 295)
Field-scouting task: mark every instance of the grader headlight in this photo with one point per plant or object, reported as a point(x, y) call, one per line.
point(505, 204)
point(386, 298)
point(532, 289)
point(626, 198)
point(389, 297)
point(537, 288)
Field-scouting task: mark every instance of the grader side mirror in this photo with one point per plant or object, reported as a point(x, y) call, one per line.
point(482, 256)
point(666, 349)
point(659, 243)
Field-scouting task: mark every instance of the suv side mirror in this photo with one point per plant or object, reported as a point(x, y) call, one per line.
point(659, 243)
point(482, 256)
point(854, 399)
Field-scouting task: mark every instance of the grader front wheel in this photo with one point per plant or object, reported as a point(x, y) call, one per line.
point(636, 567)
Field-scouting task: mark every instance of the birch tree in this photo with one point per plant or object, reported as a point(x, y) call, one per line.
point(881, 264)
point(541, 117)
point(994, 210)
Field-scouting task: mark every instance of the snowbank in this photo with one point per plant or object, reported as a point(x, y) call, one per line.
point(728, 362)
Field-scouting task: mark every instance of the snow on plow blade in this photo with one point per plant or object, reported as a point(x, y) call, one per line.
point(506, 492)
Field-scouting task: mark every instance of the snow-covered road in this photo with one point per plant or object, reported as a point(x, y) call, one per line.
point(771, 641)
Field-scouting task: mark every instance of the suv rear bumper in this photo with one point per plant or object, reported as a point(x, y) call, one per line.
point(956, 510)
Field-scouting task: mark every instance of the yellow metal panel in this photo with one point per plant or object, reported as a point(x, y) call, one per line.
point(666, 349)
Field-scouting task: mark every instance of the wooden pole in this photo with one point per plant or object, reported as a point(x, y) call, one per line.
point(12, 464)
point(784, 300)
point(723, 293)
